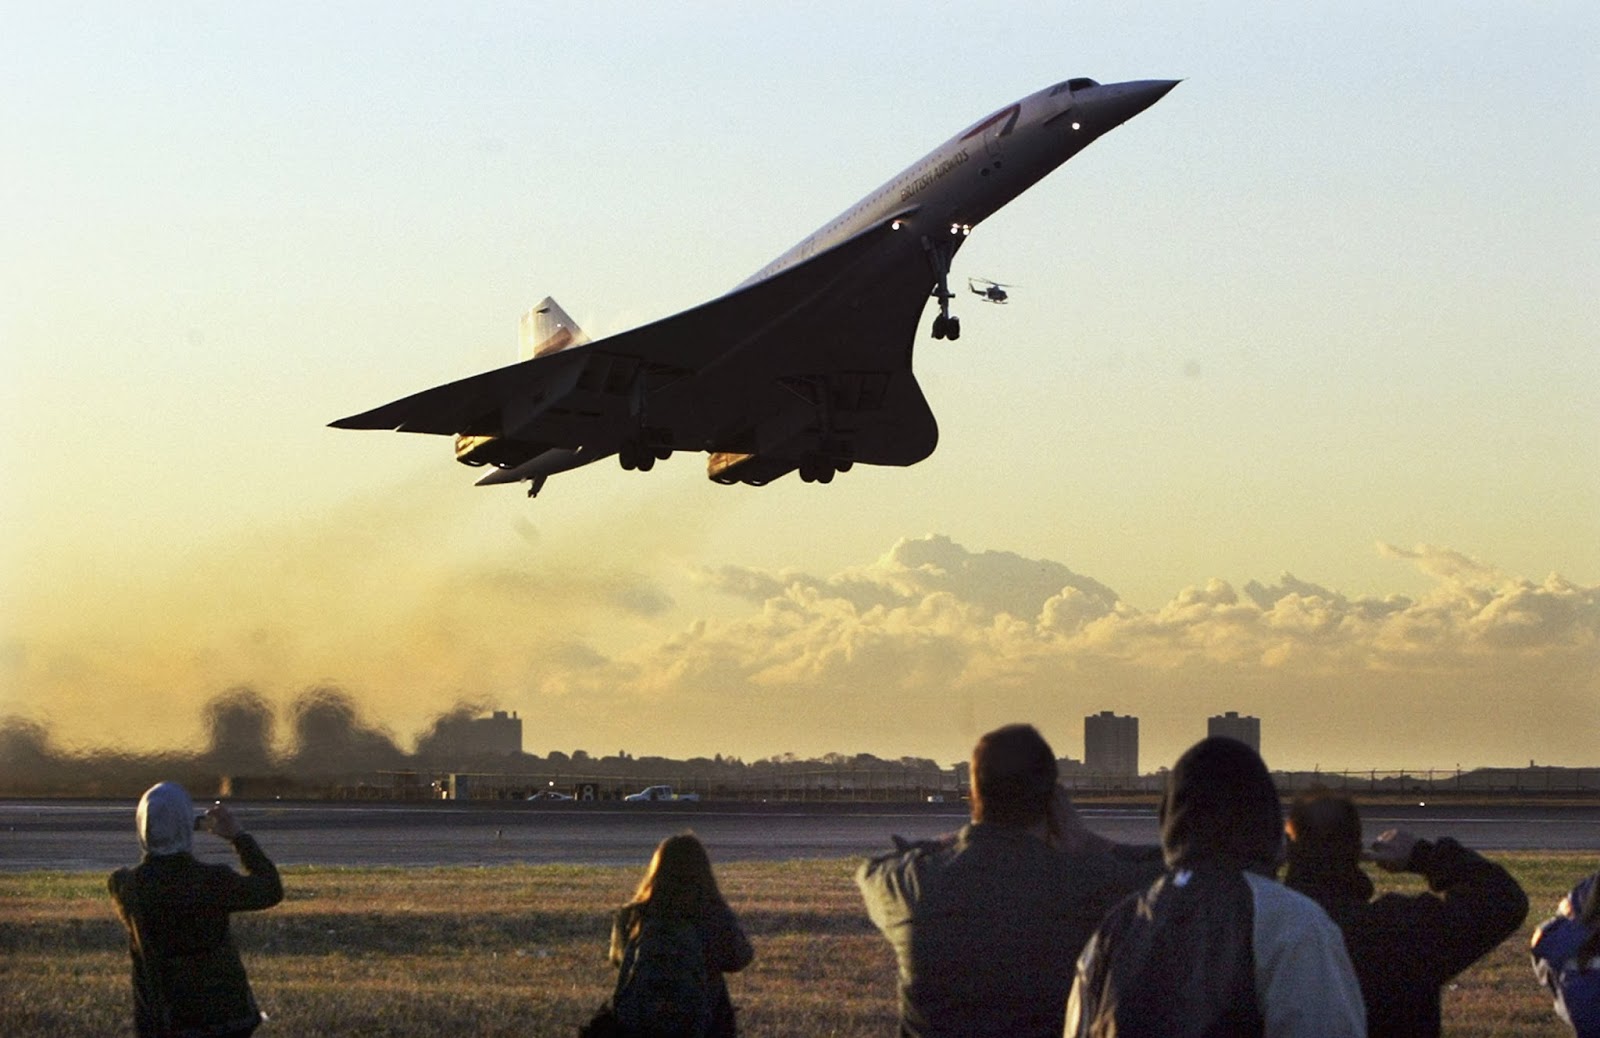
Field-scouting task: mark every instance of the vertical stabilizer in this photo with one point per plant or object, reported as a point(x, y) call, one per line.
point(547, 329)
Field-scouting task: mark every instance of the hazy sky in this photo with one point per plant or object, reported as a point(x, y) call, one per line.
point(1294, 410)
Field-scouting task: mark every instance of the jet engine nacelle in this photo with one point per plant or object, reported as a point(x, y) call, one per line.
point(500, 451)
point(728, 468)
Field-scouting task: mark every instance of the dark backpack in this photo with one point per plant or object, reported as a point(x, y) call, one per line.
point(1176, 960)
point(663, 987)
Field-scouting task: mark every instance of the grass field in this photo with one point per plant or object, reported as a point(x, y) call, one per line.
point(521, 951)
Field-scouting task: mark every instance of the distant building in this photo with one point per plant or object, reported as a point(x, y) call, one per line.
point(1111, 744)
point(1230, 725)
point(499, 733)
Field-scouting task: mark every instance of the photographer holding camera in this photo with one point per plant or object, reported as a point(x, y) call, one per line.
point(187, 976)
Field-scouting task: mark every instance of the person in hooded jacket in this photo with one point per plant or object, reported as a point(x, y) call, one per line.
point(1216, 947)
point(1403, 947)
point(188, 980)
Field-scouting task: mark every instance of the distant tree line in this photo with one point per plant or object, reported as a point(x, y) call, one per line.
point(329, 746)
point(329, 742)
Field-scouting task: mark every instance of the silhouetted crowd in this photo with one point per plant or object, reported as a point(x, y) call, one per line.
point(1023, 923)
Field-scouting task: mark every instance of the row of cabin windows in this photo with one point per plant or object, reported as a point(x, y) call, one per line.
point(853, 213)
point(1071, 85)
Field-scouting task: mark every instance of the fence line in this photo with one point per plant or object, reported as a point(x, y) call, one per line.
point(846, 785)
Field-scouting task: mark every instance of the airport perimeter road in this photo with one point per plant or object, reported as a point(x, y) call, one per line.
point(99, 835)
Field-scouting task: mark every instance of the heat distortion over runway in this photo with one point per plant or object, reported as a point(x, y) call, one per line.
point(81, 835)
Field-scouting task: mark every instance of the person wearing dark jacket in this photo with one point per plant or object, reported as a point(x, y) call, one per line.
point(1566, 957)
point(1216, 947)
point(985, 923)
point(679, 885)
point(1403, 947)
point(188, 980)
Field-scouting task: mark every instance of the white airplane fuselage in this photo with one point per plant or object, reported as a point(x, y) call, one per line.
point(969, 177)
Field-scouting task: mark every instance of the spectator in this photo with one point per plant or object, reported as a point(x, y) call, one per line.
point(676, 938)
point(986, 922)
point(1216, 947)
point(1403, 947)
point(1566, 957)
point(188, 980)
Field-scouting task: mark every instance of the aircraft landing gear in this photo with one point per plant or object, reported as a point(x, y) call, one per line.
point(945, 326)
point(631, 458)
point(640, 455)
point(819, 470)
point(939, 256)
point(646, 445)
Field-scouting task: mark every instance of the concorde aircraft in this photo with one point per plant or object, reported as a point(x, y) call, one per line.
point(804, 366)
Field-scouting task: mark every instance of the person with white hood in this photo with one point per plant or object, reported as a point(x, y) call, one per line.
point(188, 980)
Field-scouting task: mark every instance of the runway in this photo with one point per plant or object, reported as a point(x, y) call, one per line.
point(95, 836)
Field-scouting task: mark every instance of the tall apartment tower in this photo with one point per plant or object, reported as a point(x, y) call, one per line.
point(1111, 744)
point(1245, 729)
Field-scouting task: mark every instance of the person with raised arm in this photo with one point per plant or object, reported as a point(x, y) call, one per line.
point(987, 922)
point(188, 979)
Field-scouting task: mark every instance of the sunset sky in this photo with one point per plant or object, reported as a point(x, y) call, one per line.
point(1295, 410)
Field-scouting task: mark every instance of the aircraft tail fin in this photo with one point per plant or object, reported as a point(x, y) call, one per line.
point(547, 329)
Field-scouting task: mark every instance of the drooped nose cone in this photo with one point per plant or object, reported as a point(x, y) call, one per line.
point(1115, 103)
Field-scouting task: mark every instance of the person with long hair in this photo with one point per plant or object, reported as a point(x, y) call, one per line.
point(679, 887)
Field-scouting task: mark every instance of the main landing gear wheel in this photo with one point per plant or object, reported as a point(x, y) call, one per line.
point(819, 470)
point(946, 327)
point(641, 456)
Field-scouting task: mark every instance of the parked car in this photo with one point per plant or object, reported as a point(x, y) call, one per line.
point(654, 793)
point(550, 794)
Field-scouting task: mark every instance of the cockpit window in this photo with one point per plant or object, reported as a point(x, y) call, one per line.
point(1080, 83)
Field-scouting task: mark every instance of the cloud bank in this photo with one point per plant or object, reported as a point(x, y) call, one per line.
point(934, 643)
point(916, 652)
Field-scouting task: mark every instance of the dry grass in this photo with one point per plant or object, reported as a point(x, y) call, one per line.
point(520, 951)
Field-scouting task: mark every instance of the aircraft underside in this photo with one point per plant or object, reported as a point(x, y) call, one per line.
point(806, 366)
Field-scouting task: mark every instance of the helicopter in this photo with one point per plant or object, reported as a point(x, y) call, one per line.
point(992, 292)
